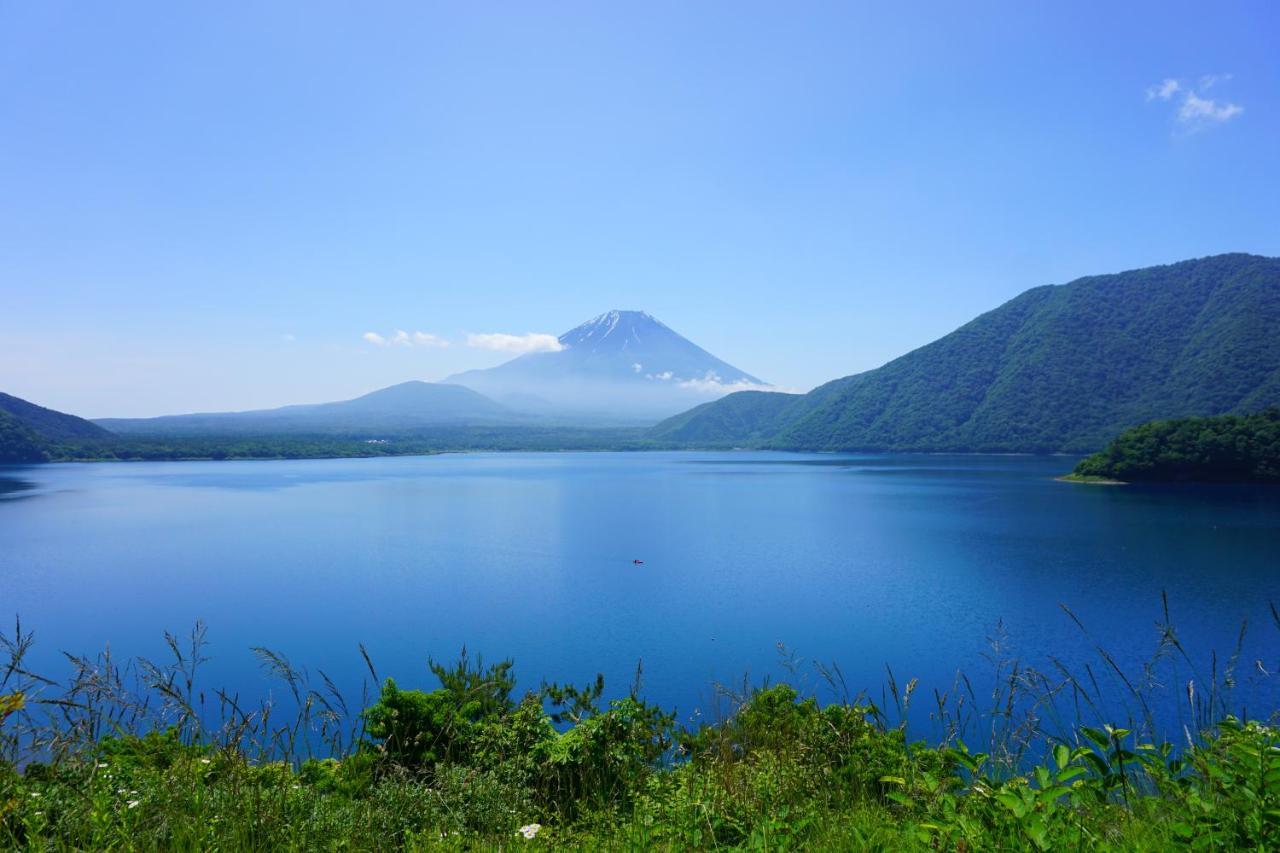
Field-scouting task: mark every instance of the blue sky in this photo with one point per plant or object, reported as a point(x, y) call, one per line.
point(207, 207)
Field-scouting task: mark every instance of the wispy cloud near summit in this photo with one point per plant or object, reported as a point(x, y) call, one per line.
point(402, 338)
point(519, 344)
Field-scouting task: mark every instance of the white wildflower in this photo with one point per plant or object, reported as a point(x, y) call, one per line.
point(133, 804)
point(35, 793)
point(204, 761)
point(102, 765)
point(530, 830)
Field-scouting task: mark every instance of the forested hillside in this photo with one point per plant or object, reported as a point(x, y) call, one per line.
point(1058, 368)
point(17, 442)
point(49, 424)
point(29, 433)
point(739, 418)
point(1228, 448)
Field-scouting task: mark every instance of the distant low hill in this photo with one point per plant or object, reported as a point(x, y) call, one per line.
point(49, 424)
point(28, 431)
point(621, 365)
point(399, 408)
point(1058, 368)
point(1223, 449)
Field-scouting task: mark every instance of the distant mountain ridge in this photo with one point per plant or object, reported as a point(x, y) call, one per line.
point(50, 424)
point(1058, 368)
point(622, 363)
point(28, 430)
point(623, 366)
point(404, 407)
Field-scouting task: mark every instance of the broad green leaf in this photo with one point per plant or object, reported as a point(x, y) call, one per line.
point(1071, 773)
point(1098, 738)
point(1043, 778)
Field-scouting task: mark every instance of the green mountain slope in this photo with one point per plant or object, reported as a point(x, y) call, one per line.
point(31, 433)
point(1062, 367)
point(48, 424)
point(744, 417)
point(17, 442)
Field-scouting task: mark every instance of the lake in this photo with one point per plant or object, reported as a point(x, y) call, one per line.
point(870, 561)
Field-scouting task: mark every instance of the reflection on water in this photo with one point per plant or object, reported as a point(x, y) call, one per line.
point(859, 559)
point(14, 486)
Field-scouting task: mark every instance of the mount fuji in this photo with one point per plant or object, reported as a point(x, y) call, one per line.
point(623, 365)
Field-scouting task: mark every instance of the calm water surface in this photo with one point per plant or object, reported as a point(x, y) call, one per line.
point(868, 561)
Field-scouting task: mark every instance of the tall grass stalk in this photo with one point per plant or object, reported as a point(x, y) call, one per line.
point(138, 753)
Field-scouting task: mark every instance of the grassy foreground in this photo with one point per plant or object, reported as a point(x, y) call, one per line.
point(118, 758)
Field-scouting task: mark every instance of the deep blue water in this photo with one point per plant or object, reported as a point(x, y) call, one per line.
point(868, 561)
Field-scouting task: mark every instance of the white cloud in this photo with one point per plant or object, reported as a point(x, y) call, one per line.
point(1208, 81)
point(1197, 110)
point(1164, 90)
point(426, 339)
point(401, 338)
point(1194, 109)
point(289, 338)
point(637, 367)
point(531, 342)
point(713, 384)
